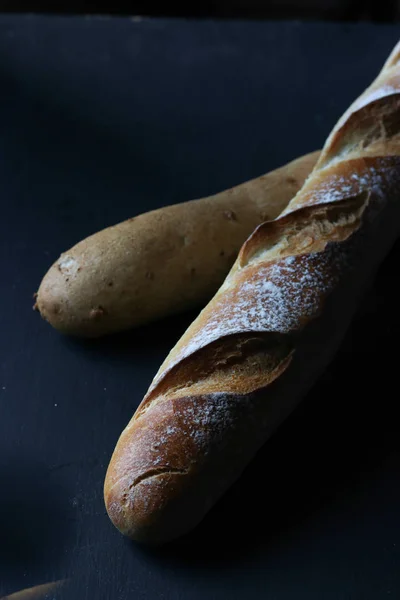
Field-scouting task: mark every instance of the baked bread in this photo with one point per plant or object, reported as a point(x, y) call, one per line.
point(163, 261)
point(39, 592)
point(272, 328)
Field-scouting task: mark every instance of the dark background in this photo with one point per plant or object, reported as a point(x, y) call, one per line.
point(375, 10)
point(101, 119)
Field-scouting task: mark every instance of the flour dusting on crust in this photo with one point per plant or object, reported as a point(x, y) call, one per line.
point(275, 298)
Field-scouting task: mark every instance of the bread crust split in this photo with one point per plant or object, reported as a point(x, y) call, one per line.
point(268, 333)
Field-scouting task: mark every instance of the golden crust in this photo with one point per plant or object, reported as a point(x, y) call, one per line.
point(275, 323)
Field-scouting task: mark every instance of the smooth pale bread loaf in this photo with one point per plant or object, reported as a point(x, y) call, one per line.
point(161, 262)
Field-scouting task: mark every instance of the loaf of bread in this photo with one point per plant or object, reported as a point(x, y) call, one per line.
point(163, 261)
point(272, 328)
point(39, 592)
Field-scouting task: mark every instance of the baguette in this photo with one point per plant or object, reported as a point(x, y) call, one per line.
point(39, 592)
point(163, 261)
point(272, 328)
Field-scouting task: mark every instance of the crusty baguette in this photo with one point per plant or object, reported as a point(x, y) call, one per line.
point(39, 592)
point(274, 325)
point(163, 261)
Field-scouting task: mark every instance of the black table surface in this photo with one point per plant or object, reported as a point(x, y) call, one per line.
point(101, 119)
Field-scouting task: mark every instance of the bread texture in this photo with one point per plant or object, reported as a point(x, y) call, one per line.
point(272, 328)
point(164, 261)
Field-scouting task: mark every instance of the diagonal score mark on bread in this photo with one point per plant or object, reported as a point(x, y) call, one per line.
point(275, 254)
point(273, 326)
point(340, 183)
point(313, 229)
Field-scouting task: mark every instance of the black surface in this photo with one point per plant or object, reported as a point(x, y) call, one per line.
point(339, 10)
point(103, 119)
